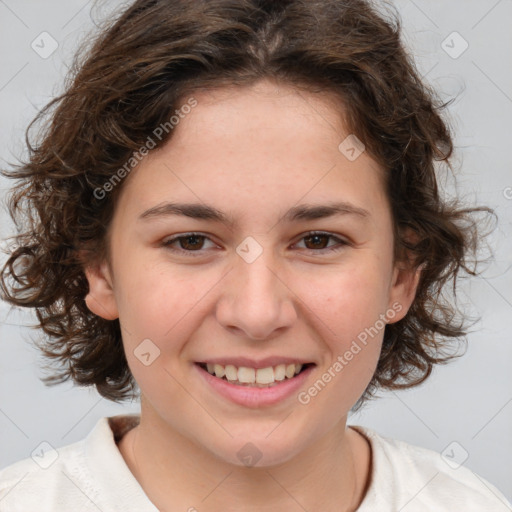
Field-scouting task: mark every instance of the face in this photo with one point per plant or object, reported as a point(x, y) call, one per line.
point(287, 258)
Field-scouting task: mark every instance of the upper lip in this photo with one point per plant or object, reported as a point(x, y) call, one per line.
point(253, 363)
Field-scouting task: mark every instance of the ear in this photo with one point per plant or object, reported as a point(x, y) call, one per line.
point(403, 291)
point(101, 299)
point(405, 281)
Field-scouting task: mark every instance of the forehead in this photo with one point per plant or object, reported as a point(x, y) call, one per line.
point(266, 112)
point(258, 146)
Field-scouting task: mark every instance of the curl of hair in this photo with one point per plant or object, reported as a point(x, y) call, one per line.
point(131, 78)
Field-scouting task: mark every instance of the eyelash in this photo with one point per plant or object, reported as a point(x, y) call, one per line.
point(341, 243)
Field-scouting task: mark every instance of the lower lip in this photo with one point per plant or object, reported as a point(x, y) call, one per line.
point(253, 396)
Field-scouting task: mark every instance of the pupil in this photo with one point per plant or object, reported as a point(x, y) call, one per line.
point(187, 244)
point(316, 239)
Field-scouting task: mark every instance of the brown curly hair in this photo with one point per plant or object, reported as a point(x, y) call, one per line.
point(132, 77)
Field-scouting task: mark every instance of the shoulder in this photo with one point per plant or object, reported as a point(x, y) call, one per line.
point(49, 478)
point(414, 479)
point(89, 475)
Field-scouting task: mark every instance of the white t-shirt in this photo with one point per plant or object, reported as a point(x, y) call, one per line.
point(91, 475)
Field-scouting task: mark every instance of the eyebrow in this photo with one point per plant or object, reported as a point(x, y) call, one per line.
point(296, 213)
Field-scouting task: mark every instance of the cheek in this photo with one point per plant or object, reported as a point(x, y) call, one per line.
point(346, 300)
point(164, 304)
point(347, 317)
point(147, 291)
point(159, 314)
point(348, 309)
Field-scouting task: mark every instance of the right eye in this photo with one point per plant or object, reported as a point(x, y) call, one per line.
point(188, 243)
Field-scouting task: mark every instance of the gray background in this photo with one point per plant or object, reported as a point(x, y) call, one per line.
point(468, 402)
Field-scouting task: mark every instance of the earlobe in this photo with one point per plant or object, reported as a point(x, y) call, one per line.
point(406, 277)
point(403, 290)
point(101, 299)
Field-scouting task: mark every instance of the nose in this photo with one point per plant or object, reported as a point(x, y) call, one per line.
point(256, 301)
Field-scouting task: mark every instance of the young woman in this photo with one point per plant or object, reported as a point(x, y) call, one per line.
point(234, 209)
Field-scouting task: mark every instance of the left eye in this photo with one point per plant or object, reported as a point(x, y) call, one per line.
point(194, 242)
point(188, 243)
point(319, 240)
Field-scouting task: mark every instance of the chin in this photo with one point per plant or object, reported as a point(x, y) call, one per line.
point(259, 451)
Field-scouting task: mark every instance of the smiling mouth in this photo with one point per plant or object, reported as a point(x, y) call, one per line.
point(255, 377)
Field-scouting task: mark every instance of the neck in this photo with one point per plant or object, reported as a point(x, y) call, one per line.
point(330, 475)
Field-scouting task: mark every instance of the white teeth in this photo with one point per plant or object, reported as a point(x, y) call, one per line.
point(246, 375)
point(280, 372)
point(231, 372)
point(290, 370)
point(219, 370)
point(265, 375)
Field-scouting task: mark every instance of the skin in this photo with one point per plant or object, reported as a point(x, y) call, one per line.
point(253, 153)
